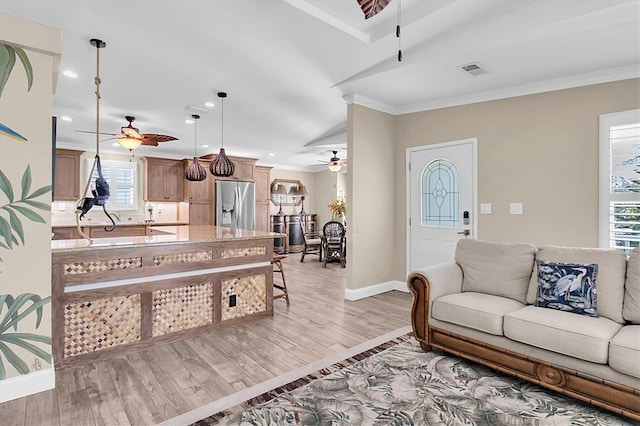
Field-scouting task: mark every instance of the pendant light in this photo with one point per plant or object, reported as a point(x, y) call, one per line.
point(222, 166)
point(194, 171)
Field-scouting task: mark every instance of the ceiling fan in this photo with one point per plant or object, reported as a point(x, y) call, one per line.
point(131, 138)
point(335, 163)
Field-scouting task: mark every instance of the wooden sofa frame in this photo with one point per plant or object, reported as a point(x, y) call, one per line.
point(611, 396)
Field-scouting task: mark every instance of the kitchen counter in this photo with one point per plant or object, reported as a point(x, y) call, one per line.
point(168, 235)
point(114, 295)
point(98, 224)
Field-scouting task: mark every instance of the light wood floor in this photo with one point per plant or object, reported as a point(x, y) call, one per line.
point(153, 385)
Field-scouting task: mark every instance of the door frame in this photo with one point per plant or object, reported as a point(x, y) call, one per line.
point(474, 195)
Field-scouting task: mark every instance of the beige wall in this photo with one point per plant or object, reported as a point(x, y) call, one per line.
point(27, 112)
point(328, 187)
point(371, 197)
point(540, 150)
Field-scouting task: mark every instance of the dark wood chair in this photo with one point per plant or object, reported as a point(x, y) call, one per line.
point(312, 243)
point(334, 243)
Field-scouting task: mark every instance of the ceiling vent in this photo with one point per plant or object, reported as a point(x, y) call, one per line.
point(194, 108)
point(473, 68)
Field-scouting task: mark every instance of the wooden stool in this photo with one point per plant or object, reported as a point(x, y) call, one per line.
point(276, 261)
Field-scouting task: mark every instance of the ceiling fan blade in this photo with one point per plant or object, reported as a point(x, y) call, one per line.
point(93, 133)
point(151, 137)
point(149, 143)
point(371, 8)
point(131, 132)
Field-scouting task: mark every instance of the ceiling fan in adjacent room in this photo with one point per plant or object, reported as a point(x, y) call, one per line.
point(131, 138)
point(335, 163)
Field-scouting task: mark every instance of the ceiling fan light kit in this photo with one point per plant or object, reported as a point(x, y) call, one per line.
point(222, 166)
point(194, 171)
point(334, 163)
point(129, 142)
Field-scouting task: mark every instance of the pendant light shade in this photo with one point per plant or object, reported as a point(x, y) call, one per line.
point(194, 171)
point(222, 166)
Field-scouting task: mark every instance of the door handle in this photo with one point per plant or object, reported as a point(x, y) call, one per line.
point(465, 232)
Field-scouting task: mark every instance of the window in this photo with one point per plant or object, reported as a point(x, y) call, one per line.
point(123, 183)
point(620, 180)
point(440, 194)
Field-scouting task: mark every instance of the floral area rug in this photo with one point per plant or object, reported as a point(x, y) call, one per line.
point(399, 384)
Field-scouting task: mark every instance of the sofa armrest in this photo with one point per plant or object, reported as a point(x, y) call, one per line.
point(427, 285)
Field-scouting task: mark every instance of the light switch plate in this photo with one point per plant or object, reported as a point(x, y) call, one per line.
point(485, 208)
point(515, 208)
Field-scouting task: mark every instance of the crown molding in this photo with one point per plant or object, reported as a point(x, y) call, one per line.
point(586, 79)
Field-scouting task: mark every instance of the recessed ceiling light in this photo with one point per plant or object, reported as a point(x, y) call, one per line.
point(209, 104)
point(189, 121)
point(115, 144)
point(66, 118)
point(70, 74)
point(271, 154)
point(204, 146)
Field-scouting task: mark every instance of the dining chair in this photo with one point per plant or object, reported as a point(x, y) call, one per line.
point(312, 244)
point(334, 243)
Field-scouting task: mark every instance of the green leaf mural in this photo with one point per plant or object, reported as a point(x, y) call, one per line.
point(8, 56)
point(17, 309)
point(15, 211)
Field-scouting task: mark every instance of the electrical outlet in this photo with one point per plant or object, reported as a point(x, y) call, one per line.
point(233, 299)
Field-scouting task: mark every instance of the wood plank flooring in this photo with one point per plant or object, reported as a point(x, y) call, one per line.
point(153, 385)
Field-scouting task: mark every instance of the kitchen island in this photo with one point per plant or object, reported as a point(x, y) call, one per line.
point(114, 295)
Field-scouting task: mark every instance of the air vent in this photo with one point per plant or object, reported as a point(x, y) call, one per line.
point(194, 108)
point(473, 68)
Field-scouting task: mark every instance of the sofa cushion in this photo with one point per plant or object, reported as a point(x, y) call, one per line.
point(499, 269)
point(479, 311)
point(612, 265)
point(631, 308)
point(569, 287)
point(624, 351)
point(579, 336)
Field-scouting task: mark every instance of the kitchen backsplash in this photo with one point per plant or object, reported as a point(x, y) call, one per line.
point(63, 213)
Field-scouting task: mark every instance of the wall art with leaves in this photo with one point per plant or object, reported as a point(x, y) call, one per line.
point(8, 56)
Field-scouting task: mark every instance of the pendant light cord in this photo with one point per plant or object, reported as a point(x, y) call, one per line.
point(222, 123)
point(398, 31)
point(195, 136)
point(97, 81)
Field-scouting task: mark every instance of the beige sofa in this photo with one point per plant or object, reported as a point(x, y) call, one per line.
point(484, 306)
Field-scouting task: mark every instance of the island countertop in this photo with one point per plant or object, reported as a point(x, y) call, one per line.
point(170, 235)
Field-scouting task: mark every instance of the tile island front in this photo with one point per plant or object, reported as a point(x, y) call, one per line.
point(114, 295)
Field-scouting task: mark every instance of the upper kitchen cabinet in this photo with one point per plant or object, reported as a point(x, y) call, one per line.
point(164, 179)
point(244, 168)
point(66, 185)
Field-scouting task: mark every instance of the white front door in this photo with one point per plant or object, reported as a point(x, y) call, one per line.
point(441, 201)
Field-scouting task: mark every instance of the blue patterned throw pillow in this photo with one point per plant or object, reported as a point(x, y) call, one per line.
point(569, 287)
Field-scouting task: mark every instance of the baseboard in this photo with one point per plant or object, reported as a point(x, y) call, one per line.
point(27, 384)
point(372, 290)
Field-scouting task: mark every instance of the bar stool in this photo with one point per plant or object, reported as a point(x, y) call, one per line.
point(276, 261)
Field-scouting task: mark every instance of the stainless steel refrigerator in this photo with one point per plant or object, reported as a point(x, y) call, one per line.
point(235, 204)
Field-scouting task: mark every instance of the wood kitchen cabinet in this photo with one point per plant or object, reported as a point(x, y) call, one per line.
point(164, 179)
point(244, 168)
point(199, 195)
point(66, 232)
point(66, 184)
point(120, 231)
point(263, 197)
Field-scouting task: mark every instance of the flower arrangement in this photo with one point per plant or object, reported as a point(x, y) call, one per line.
point(338, 208)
